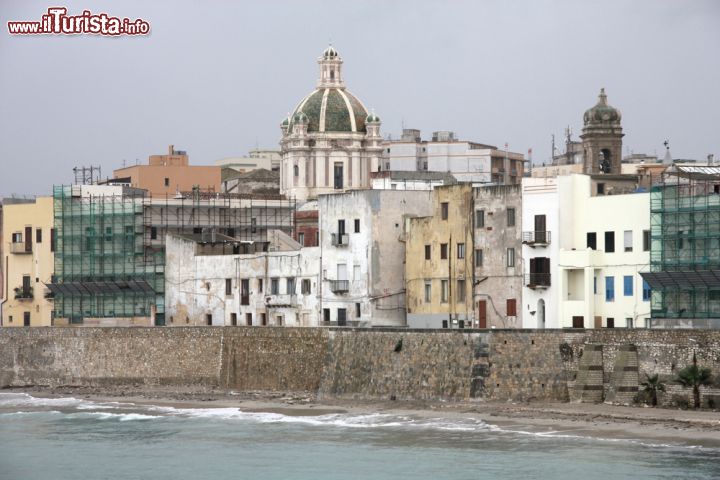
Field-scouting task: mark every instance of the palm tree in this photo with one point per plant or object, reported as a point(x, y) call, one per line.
point(694, 376)
point(652, 386)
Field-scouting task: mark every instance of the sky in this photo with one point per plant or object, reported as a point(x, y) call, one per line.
point(216, 78)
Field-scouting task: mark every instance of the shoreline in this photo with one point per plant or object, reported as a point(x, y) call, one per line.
point(649, 426)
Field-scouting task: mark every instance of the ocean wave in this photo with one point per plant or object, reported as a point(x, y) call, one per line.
point(122, 417)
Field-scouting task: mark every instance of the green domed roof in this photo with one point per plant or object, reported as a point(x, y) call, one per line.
point(332, 110)
point(602, 113)
point(372, 118)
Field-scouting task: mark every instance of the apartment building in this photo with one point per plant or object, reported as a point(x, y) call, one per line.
point(28, 256)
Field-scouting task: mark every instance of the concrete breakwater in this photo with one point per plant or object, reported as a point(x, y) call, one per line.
point(555, 365)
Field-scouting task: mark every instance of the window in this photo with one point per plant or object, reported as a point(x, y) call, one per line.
point(253, 225)
point(443, 251)
point(244, 291)
point(428, 291)
point(610, 322)
point(341, 227)
point(629, 322)
point(26, 319)
point(628, 285)
point(444, 291)
point(208, 318)
point(260, 285)
point(301, 238)
point(646, 240)
point(646, 291)
point(52, 239)
point(153, 233)
point(511, 307)
point(510, 257)
point(290, 286)
point(17, 237)
point(263, 319)
point(460, 250)
point(248, 319)
point(38, 235)
point(479, 218)
point(609, 289)
point(591, 240)
point(510, 217)
point(357, 310)
point(167, 182)
point(478, 257)
point(279, 320)
point(274, 286)
point(601, 189)
point(627, 240)
point(444, 210)
point(357, 225)
point(296, 171)
point(326, 314)
point(609, 242)
point(460, 291)
point(305, 286)
point(228, 286)
point(233, 319)
point(427, 252)
point(595, 285)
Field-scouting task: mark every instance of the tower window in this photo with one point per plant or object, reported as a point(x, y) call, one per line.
point(296, 170)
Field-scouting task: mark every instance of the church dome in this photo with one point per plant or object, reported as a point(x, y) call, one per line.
point(330, 107)
point(332, 110)
point(602, 113)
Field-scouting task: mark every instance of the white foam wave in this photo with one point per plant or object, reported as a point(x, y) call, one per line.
point(122, 417)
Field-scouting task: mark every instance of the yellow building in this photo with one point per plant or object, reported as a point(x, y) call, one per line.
point(29, 263)
point(439, 262)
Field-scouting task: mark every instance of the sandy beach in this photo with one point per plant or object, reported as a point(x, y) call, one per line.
point(652, 426)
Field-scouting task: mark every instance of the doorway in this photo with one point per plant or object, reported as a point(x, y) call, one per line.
point(540, 313)
point(482, 314)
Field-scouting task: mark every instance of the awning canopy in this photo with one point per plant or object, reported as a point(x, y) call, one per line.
point(100, 288)
point(683, 279)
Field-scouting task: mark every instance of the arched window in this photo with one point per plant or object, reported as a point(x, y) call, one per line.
point(332, 74)
point(296, 170)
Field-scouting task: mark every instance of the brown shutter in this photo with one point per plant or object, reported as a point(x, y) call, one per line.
point(511, 307)
point(28, 239)
point(482, 313)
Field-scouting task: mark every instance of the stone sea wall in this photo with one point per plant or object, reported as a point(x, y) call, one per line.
point(383, 364)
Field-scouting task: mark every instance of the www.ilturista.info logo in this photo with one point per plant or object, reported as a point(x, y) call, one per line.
point(58, 22)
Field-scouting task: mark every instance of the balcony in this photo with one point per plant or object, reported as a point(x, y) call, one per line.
point(20, 247)
point(339, 286)
point(340, 240)
point(24, 293)
point(537, 280)
point(280, 300)
point(536, 238)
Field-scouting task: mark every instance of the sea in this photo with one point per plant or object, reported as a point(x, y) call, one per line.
point(71, 438)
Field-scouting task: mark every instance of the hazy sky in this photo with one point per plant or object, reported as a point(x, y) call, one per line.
point(216, 78)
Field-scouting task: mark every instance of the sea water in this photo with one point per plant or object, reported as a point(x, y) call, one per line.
point(69, 438)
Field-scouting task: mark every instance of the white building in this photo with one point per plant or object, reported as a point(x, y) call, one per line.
point(583, 254)
point(211, 283)
point(414, 180)
point(267, 159)
point(466, 161)
point(329, 143)
point(362, 245)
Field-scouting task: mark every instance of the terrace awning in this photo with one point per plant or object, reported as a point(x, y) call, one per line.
point(683, 279)
point(100, 288)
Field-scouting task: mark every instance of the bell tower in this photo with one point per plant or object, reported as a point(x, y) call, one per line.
point(602, 138)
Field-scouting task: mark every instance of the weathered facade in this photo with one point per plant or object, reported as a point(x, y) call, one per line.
point(362, 241)
point(210, 283)
point(28, 254)
point(463, 265)
point(497, 295)
point(439, 262)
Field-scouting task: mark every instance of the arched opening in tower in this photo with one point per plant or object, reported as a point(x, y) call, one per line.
point(605, 162)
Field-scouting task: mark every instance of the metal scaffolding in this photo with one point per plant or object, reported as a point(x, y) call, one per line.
point(110, 249)
point(685, 245)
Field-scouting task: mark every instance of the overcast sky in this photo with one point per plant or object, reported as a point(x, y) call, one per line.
point(216, 78)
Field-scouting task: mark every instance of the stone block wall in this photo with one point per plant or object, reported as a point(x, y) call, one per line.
point(405, 364)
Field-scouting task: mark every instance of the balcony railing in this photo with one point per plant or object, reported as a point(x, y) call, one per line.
point(281, 300)
point(23, 293)
point(339, 286)
point(536, 238)
point(340, 240)
point(537, 280)
point(20, 247)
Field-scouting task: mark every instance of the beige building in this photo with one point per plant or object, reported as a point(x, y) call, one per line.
point(439, 261)
point(166, 175)
point(463, 266)
point(257, 158)
point(29, 261)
